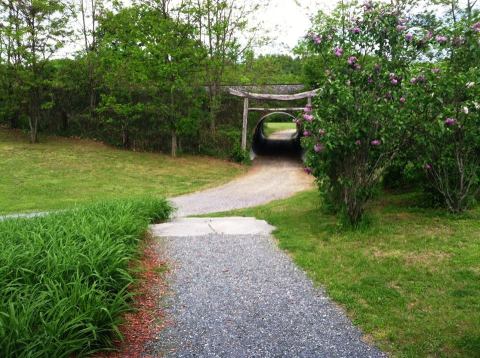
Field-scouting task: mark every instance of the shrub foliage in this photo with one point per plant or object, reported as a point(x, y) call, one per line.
point(379, 94)
point(65, 277)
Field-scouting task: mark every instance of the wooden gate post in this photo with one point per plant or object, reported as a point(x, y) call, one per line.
point(245, 124)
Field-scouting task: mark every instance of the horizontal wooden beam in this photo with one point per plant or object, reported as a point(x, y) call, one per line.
point(275, 97)
point(276, 109)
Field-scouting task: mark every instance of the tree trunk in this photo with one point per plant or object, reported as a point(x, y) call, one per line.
point(174, 144)
point(34, 115)
point(14, 119)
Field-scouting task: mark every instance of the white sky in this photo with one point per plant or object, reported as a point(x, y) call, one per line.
point(286, 21)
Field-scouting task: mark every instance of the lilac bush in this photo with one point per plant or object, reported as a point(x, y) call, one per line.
point(447, 109)
point(361, 65)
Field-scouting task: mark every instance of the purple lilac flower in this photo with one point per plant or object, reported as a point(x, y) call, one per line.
point(307, 170)
point(441, 39)
point(322, 132)
point(356, 30)
point(476, 27)
point(458, 41)
point(368, 5)
point(358, 142)
point(317, 39)
point(357, 66)
point(308, 118)
point(401, 27)
point(370, 80)
point(318, 148)
point(376, 142)
point(427, 166)
point(450, 122)
point(306, 133)
point(429, 35)
point(352, 60)
point(308, 109)
point(403, 99)
point(435, 70)
point(409, 37)
point(338, 51)
point(421, 78)
point(413, 80)
point(394, 81)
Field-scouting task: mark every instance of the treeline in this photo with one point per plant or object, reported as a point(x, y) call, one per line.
point(147, 76)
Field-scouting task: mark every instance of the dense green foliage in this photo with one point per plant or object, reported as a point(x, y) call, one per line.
point(65, 277)
point(144, 76)
point(444, 100)
point(411, 280)
point(378, 96)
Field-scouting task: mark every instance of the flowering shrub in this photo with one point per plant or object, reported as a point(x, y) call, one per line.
point(359, 121)
point(447, 108)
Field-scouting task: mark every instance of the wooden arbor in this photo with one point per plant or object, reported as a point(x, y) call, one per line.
point(268, 97)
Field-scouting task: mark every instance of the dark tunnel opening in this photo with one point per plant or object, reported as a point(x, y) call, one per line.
point(285, 143)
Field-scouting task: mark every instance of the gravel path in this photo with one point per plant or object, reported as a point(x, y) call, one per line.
point(269, 179)
point(233, 292)
point(240, 296)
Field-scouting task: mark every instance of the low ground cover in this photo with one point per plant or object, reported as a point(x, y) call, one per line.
point(65, 278)
point(272, 127)
point(411, 280)
point(59, 173)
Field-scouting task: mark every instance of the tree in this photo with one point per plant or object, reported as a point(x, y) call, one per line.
point(39, 31)
point(90, 10)
point(152, 63)
point(220, 24)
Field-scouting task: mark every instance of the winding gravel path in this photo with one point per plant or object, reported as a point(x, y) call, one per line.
point(269, 179)
point(233, 292)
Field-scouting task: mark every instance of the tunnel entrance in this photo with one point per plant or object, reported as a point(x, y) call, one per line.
point(266, 141)
point(277, 134)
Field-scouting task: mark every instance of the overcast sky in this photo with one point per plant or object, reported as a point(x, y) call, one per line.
point(287, 21)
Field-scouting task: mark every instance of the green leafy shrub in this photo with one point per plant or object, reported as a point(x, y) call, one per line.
point(358, 124)
point(65, 277)
point(239, 155)
point(446, 102)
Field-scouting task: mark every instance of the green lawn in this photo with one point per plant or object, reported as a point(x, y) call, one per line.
point(411, 280)
point(60, 172)
point(272, 127)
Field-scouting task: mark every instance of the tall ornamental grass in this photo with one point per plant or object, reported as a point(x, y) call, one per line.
point(65, 278)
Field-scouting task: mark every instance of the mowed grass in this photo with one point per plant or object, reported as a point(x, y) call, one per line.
point(59, 172)
point(65, 278)
point(411, 280)
point(272, 127)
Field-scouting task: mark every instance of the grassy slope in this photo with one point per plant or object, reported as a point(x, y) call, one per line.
point(59, 172)
point(411, 280)
point(272, 127)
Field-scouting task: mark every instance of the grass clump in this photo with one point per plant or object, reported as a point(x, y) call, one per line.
point(65, 277)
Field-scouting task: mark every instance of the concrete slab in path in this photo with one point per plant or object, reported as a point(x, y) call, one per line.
point(206, 226)
point(234, 293)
